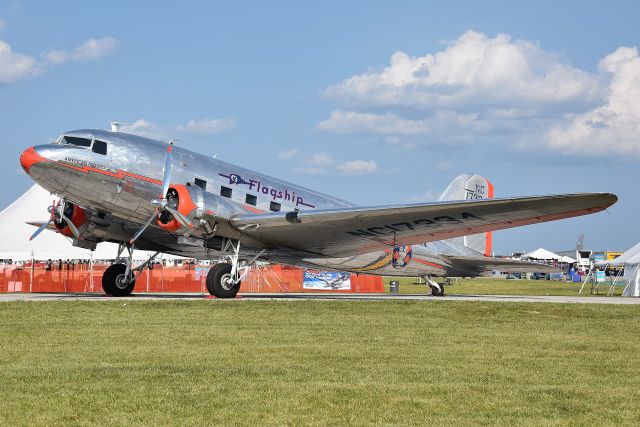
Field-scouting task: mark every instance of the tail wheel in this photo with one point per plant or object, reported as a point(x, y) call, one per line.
point(219, 281)
point(114, 281)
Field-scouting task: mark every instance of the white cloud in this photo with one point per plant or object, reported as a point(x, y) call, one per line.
point(345, 122)
point(15, 66)
point(207, 126)
point(322, 163)
point(288, 154)
point(148, 129)
point(89, 50)
point(480, 90)
point(357, 167)
point(474, 69)
point(613, 127)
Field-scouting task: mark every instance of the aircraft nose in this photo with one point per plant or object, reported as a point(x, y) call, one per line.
point(30, 157)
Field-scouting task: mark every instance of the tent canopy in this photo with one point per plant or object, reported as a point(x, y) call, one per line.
point(541, 253)
point(32, 206)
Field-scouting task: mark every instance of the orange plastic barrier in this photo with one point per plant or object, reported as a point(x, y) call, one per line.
point(62, 277)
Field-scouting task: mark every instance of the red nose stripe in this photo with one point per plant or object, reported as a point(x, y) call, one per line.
point(29, 158)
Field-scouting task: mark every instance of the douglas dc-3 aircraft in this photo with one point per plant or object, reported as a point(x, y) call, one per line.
point(136, 191)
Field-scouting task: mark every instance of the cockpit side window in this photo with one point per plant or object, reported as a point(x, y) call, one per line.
point(99, 147)
point(74, 140)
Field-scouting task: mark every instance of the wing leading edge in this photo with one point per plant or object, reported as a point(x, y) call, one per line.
point(350, 231)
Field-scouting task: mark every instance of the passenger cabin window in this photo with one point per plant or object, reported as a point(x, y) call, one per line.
point(275, 207)
point(74, 140)
point(99, 147)
point(201, 183)
point(225, 192)
point(251, 199)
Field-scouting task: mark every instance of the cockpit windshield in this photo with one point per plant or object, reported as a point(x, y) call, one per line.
point(97, 146)
point(74, 140)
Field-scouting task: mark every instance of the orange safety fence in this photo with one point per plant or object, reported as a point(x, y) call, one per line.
point(83, 277)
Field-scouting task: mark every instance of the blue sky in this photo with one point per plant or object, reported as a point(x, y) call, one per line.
point(374, 102)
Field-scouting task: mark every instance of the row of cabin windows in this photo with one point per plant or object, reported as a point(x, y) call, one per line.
point(100, 147)
point(97, 146)
point(249, 199)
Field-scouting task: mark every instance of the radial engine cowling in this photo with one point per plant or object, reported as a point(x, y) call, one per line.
point(197, 205)
point(75, 213)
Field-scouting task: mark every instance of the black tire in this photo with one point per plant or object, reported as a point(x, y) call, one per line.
point(214, 282)
point(111, 284)
point(437, 292)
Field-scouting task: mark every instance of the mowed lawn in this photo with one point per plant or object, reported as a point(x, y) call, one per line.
point(491, 286)
point(318, 363)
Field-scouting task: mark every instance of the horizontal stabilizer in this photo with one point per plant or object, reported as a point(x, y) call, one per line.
point(478, 265)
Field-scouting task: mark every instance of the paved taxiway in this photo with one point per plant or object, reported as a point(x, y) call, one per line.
point(321, 296)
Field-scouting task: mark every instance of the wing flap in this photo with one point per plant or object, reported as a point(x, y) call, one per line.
point(350, 231)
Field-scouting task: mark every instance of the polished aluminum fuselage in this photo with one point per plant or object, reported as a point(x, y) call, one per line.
point(118, 187)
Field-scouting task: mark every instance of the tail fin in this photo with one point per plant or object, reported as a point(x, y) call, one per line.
point(471, 187)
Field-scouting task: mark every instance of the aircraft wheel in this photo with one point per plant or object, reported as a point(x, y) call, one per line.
point(437, 292)
point(217, 281)
point(112, 281)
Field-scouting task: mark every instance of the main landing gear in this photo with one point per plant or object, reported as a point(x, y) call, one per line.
point(224, 278)
point(437, 290)
point(119, 279)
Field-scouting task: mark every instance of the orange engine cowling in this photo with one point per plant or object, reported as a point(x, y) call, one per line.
point(179, 198)
point(76, 214)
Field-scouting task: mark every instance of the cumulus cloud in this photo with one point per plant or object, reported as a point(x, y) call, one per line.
point(322, 163)
point(288, 154)
point(149, 129)
point(474, 69)
point(613, 127)
point(207, 126)
point(480, 89)
point(357, 167)
point(89, 50)
point(16, 66)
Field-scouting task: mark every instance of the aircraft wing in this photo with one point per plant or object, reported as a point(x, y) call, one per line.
point(350, 231)
point(482, 264)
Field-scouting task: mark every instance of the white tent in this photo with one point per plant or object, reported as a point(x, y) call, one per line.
point(631, 262)
point(32, 206)
point(567, 259)
point(541, 253)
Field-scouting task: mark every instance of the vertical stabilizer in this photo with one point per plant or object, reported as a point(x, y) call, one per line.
point(471, 187)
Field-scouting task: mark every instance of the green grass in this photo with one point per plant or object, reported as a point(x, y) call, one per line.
point(490, 286)
point(318, 363)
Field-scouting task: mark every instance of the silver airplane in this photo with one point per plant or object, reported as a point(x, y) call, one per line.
point(150, 195)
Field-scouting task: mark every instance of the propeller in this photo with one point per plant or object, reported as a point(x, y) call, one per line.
point(57, 215)
point(163, 203)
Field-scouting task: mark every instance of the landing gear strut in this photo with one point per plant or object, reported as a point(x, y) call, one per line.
point(119, 279)
point(437, 290)
point(224, 278)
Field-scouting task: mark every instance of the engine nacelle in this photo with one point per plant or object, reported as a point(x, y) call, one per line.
point(76, 214)
point(197, 205)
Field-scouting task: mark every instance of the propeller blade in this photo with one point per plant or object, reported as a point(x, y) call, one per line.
point(39, 230)
point(72, 226)
point(144, 227)
point(181, 218)
point(166, 172)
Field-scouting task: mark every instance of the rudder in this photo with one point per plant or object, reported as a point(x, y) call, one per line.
point(471, 187)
